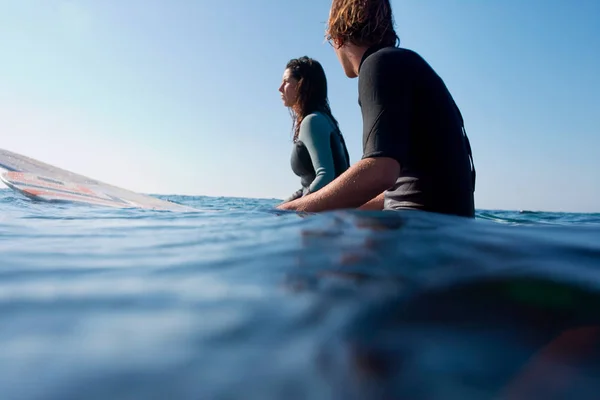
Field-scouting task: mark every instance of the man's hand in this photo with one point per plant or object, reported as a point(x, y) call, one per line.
point(375, 203)
point(362, 182)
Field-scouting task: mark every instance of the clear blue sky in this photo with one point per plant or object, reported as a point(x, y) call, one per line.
point(180, 97)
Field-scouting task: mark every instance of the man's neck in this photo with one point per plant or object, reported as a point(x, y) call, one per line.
point(355, 55)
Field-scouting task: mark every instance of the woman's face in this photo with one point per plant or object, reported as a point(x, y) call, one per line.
point(288, 89)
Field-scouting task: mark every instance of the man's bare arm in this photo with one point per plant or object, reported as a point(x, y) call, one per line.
point(375, 203)
point(360, 183)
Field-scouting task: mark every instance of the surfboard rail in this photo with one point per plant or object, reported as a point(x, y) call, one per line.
point(41, 181)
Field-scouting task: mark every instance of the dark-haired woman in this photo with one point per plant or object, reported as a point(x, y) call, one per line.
point(319, 153)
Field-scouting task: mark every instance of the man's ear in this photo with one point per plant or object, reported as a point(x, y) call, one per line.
point(337, 43)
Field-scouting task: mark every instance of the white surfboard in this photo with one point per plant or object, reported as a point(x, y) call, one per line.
point(45, 182)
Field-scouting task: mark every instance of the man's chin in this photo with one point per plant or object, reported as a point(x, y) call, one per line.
point(350, 73)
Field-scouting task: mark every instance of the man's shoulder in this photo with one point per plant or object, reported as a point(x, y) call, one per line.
point(386, 70)
point(389, 58)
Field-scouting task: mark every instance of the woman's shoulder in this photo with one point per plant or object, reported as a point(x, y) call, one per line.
point(316, 122)
point(315, 116)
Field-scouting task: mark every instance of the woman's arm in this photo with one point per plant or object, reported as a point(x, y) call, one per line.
point(296, 195)
point(315, 131)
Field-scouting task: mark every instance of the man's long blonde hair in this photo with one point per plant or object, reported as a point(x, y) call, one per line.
point(362, 23)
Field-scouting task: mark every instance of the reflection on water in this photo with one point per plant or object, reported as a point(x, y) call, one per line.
point(243, 302)
point(444, 309)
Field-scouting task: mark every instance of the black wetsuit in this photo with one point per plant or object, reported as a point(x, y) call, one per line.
point(410, 116)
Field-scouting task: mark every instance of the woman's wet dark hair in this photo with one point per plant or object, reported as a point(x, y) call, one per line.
point(312, 90)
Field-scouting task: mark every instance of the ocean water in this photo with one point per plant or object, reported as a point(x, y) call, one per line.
point(239, 301)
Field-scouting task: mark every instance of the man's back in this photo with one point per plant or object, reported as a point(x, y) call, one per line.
point(409, 115)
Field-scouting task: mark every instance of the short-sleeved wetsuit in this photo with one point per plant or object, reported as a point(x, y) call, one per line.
point(319, 154)
point(409, 115)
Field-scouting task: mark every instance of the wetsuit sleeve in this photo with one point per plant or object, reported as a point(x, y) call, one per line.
point(385, 100)
point(315, 134)
point(296, 195)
